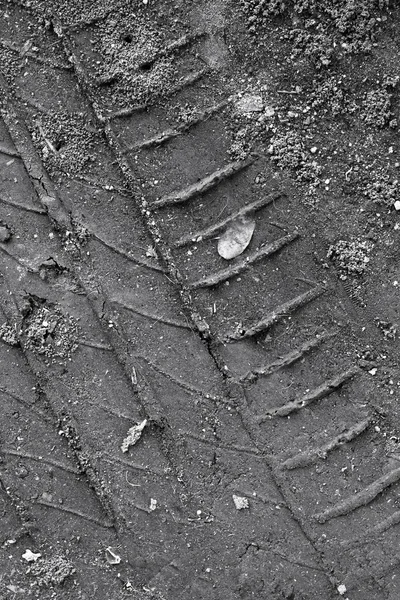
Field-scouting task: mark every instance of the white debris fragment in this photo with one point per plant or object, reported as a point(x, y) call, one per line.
point(134, 434)
point(373, 371)
point(153, 504)
point(240, 502)
point(249, 103)
point(236, 238)
point(30, 556)
point(397, 205)
point(111, 557)
point(342, 589)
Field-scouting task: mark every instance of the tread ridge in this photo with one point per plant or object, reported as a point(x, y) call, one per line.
point(276, 315)
point(310, 457)
point(245, 211)
point(204, 185)
point(325, 389)
point(288, 359)
point(362, 498)
point(244, 263)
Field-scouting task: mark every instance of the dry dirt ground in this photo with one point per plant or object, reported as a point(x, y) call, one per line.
point(176, 425)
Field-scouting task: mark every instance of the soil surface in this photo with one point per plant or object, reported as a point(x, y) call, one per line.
point(199, 299)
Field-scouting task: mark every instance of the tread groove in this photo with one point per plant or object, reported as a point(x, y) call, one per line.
point(78, 513)
point(32, 209)
point(369, 535)
point(9, 152)
point(144, 313)
point(141, 262)
point(40, 459)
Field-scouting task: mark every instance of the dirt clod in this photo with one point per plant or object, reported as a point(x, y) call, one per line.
point(9, 335)
point(51, 571)
point(351, 257)
point(5, 233)
point(49, 331)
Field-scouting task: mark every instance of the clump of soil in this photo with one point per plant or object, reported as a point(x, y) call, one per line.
point(47, 330)
point(320, 30)
point(65, 141)
point(51, 571)
point(11, 64)
point(376, 109)
point(288, 151)
point(5, 232)
point(145, 594)
point(329, 96)
point(9, 335)
point(388, 329)
point(240, 147)
point(351, 257)
point(128, 70)
point(382, 189)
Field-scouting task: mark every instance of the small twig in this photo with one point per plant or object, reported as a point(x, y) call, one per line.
point(50, 145)
point(346, 175)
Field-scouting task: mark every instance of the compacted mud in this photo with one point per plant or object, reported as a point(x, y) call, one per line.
point(199, 291)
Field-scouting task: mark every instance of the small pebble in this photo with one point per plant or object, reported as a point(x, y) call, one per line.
point(240, 502)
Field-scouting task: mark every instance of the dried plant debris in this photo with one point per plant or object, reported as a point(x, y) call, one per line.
point(65, 141)
point(133, 436)
point(351, 257)
point(236, 238)
point(9, 334)
point(111, 557)
point(51, 571)
point(49, 331)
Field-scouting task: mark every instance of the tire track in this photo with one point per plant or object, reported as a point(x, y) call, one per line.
point(319, 583)
point(181, 196)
